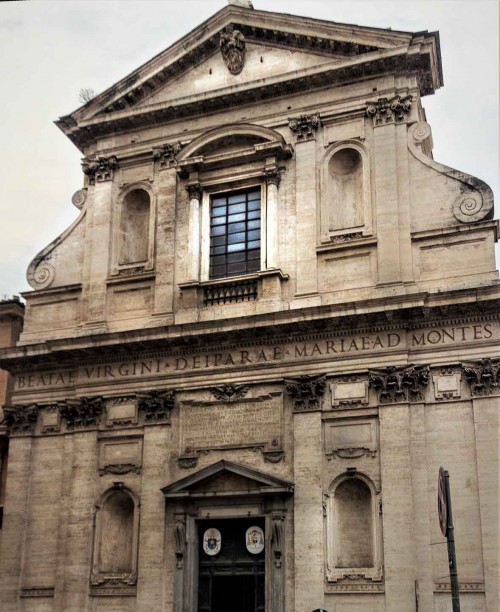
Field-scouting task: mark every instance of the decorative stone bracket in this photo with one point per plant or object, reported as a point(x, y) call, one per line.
point(277, 542)
point(180, 539)
point(271, 453)
point(306, 392)
point(400, 384)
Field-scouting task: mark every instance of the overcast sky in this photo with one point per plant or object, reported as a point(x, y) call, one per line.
point(50, 50)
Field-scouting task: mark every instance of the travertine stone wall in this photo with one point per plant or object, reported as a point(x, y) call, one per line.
point(363, 357)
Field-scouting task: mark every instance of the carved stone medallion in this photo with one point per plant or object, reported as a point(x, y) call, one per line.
point(233, 48)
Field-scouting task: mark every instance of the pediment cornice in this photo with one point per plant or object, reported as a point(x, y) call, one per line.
point(355, 52)
point(199, 483)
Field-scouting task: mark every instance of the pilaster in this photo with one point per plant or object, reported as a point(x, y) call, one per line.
point(15, 521)
point(195, 192)
point(80, 518)
point(421, 519)
point(165, 240)
point(397, 497)
point(404, 203)
point(486, 429)
point(273, 179)
point(151, 574)
point(98, 232)
point(308, 497)
point(305, 128)
point(386, 196)
point(40, 559)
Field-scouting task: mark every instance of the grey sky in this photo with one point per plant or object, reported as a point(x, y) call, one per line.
point(50, 50)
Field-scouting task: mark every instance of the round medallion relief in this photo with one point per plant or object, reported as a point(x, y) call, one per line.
point(212, 541)
point(79, 198)
point(254, 540)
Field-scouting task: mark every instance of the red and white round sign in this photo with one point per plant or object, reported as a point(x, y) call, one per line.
point(442, 502)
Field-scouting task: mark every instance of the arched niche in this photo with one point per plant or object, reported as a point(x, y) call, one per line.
point(135, 213)
point(353, 528)
point(345, 193)
point(353, 508)
point(116, 532)
point(133, 229)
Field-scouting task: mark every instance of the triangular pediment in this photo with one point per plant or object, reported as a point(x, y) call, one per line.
point(226, 478)
point(283, 53)
point(261, 62)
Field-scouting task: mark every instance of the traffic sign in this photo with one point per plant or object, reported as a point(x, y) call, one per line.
point(442, 502)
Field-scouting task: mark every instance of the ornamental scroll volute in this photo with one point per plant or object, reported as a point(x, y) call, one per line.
point(233, 49)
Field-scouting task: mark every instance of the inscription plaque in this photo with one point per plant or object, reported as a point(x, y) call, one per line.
point(247, 423)
point(327, 349)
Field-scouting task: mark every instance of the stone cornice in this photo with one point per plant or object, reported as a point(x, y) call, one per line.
point(422, 311)
point(124, 114)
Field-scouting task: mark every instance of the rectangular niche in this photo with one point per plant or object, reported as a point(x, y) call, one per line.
point(347, 269)
point(351, 439)
point(349, 393)
point(122, 411)
point(120, 455)
point(447, 386)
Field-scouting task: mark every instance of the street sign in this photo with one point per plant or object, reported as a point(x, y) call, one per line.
point(447, 529)
point(442, 502)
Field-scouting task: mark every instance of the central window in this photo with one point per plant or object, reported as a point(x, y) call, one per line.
point(235, 233)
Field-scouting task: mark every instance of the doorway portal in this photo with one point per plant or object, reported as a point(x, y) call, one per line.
point(231, 565)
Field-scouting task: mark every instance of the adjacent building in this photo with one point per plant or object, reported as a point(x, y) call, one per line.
point(274, 319)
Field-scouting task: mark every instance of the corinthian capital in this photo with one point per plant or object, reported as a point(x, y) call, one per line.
point(305, 126)
point(273, 177)
point(195, 191)
point(100, 169)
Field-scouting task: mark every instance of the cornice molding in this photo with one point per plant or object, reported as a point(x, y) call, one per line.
point(124, 115)
point(301, 325)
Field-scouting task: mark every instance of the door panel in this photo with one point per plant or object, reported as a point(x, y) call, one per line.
point(234, 579)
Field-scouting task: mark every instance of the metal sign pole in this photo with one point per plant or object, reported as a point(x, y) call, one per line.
point(452, 559)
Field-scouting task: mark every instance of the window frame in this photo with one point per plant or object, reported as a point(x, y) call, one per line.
point(211, 191)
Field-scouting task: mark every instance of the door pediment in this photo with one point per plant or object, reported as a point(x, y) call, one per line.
point(226, 479)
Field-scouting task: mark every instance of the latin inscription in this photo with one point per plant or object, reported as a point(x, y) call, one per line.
point(235, 424)
point(320, 350)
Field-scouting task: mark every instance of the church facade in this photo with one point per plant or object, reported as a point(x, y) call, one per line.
point(275, 317)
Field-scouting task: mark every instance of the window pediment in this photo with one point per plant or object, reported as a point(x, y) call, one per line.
point(232, 145)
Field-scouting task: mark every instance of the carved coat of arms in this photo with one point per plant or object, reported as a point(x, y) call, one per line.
point(232, 47)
